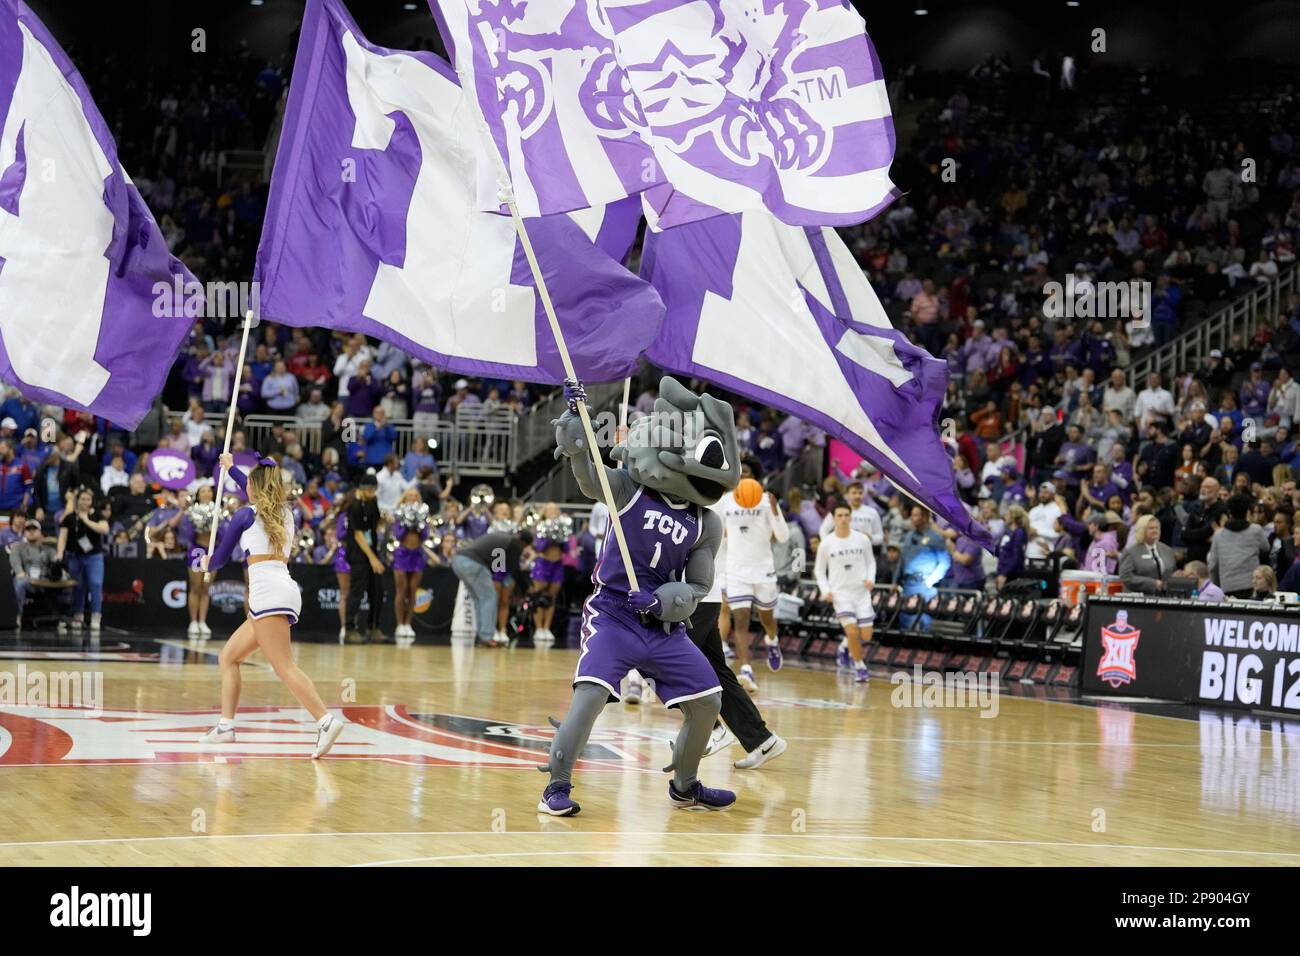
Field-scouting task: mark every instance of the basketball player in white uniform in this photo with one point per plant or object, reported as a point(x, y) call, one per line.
point(846, 572)
point(751, 573)
point(865, 520)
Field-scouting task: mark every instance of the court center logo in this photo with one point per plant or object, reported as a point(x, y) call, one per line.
point(34, 733)
point(1118, 664)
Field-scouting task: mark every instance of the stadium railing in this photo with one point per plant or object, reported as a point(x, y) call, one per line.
point(473, 443)
point(1243, 316)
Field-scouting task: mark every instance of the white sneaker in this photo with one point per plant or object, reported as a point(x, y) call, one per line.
point(62, 627)
point(633, 694)
point(204, 631)
point(543, 636)
point(94, 621)
point(76, 624)
point(719, 740)
point(746, 678)
point(218, 736)
point(193, 629)
point(770, 749)
point(325, 737)
point(343, 634)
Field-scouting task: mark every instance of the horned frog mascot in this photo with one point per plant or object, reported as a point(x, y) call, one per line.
point(679, 459)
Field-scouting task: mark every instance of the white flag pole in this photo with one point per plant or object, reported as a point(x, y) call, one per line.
point(507, 194)
point(230, 427)
point(622, 412)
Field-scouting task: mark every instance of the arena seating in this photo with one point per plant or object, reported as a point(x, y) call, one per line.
point(1035, 640)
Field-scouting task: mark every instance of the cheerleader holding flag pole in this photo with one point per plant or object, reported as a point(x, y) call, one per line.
point(263, 529)
point(230, 429)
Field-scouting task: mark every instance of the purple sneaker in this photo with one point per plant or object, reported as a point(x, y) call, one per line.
point(862, 673)
point(555, 801)
point(842, 659)
point(700, 797)
point(774, 656)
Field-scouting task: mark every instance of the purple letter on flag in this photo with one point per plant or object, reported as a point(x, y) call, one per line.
point(373, 226)
point(81, 258)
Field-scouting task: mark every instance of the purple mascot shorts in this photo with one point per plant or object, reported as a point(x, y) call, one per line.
point(614, 641)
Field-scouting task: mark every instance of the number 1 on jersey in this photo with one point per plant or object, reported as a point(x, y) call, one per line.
point(659, 547)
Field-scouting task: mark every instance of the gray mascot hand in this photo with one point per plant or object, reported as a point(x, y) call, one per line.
point(676, 601)
point(570, 438)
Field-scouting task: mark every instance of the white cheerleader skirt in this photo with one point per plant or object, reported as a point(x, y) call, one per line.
point(272, 591)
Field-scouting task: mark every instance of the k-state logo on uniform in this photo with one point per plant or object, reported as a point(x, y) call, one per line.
point(1118, 664)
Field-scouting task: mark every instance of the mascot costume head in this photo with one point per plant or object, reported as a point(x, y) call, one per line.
point(686, 448)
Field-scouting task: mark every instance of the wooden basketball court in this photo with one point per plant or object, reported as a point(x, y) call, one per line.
point(438, 769)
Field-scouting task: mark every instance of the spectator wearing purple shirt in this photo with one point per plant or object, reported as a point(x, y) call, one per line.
point(1075, 458)
point(1254, 393)
point(796, 434)
point(280, 389)
point(1037, 365)
point(217, 373)
point(462, 396)
point(364, 392)
point(1096, 489)
point(1012, 545)
point(768, 445)
point(1064, 352)
point(979, 351)
point(967, 564)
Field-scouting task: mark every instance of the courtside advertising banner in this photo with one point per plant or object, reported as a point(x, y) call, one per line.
point(1235, 656)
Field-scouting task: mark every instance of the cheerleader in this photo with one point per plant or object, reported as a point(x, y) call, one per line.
point(264, 531)
point(342, 570)
point(410, 528)
point(502, 579)
point(199, 517)
point(548, 569)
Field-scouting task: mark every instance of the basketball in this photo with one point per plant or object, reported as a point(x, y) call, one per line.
point(749, 493)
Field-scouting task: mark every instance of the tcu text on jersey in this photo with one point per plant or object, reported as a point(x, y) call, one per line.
point(665, 524)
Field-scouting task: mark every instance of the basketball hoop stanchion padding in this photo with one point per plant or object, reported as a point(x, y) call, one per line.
point(463, 621)
point(230, 428)
point(507, 195)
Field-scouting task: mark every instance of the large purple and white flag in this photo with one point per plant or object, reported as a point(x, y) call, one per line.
point(736, 105)
point(783, 315)
point(556, 102)
point(372, 226)
point(80, 253)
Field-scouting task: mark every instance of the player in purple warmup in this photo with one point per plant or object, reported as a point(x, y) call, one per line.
point(679, 460)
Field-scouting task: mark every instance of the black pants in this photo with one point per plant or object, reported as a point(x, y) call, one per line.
point(364, 582)
point(738, 712)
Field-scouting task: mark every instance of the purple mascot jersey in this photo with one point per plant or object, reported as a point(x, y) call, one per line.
point(616, 639)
